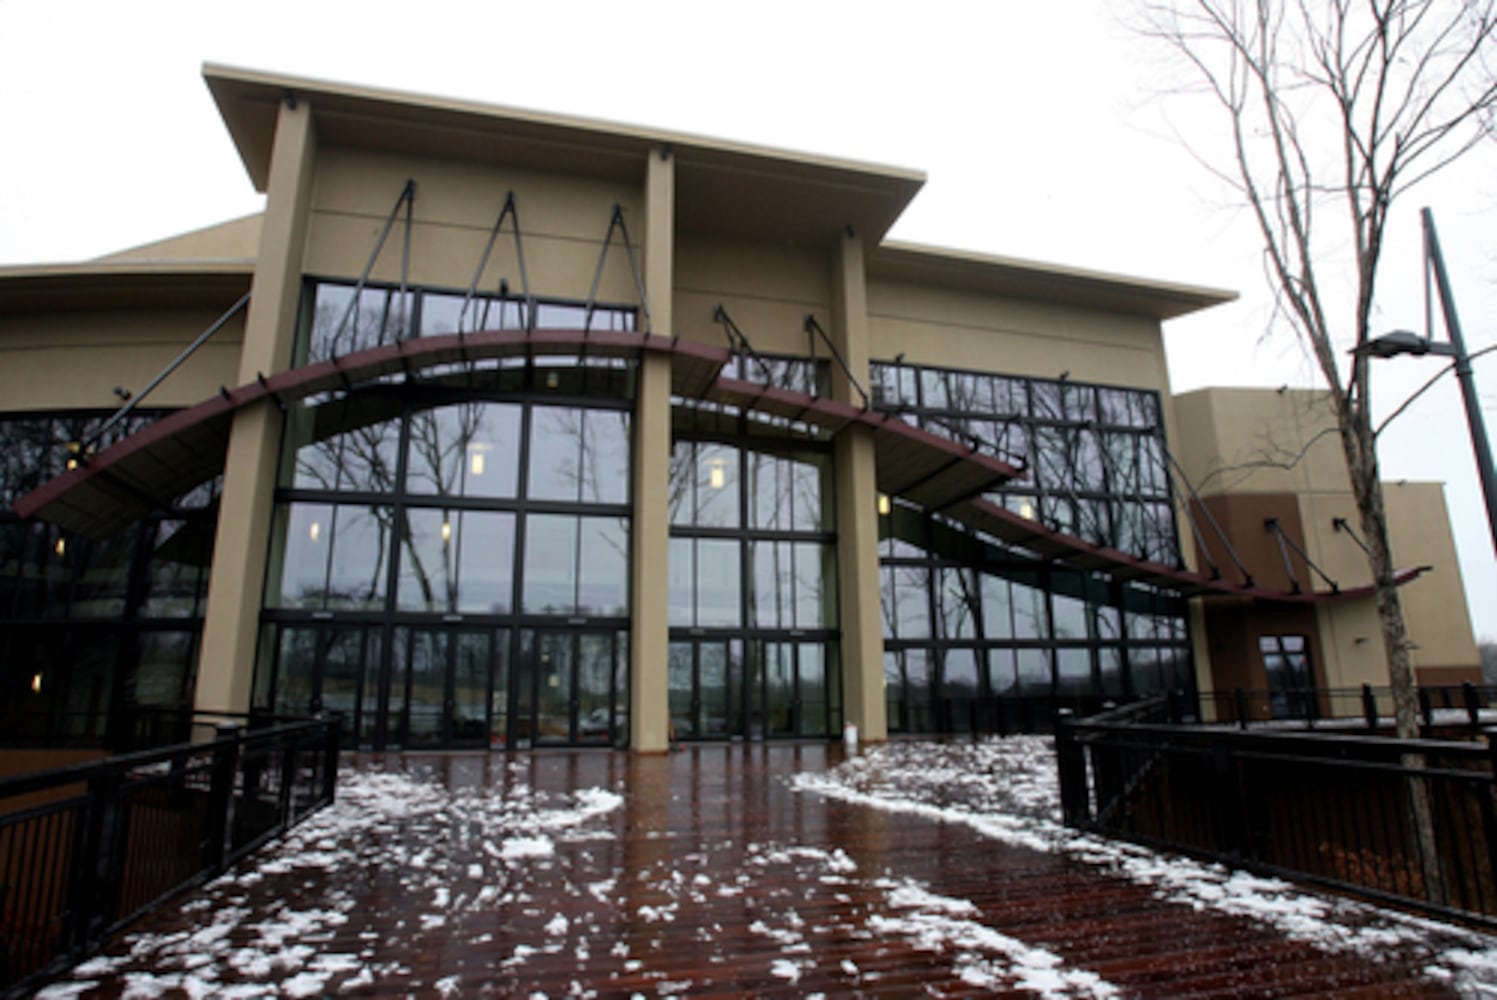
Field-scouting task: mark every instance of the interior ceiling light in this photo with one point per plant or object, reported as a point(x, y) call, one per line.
point(314, 532)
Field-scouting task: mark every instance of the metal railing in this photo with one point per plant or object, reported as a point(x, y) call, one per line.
point(1323, 807)
point(1444, 710)
point(86, 849)
point(993, 715)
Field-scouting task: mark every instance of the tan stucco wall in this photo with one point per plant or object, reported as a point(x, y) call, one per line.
point(237, 239)
point(1434, 605)
point(73, 360)
point(932, 325)
point(1247, 441)
point(767, 290)
point(563, 221)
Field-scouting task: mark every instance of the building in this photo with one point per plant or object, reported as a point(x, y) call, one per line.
point(503, 429)
point(1268, 465)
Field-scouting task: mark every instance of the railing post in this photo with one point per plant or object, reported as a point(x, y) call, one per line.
point(220, 820)
point(1239, 705)
point(1473, 706)
point(1426, 710)
point(333, 737)
point(254, 760)
point(93, 894)
point(1369, 708)
point(1489, 822)
point(286, 801)
point(1070, 761)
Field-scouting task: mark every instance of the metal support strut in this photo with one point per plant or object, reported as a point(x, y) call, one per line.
point(509, 210)
point(617, 222)
point(738, 342)
point(1272, 524)
point(814, 327)
point(124, 411)
point(1211, 520)
point(407, 198)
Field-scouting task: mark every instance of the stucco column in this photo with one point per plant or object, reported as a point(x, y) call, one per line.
point(649, 607)
point(857, 505)
point(226, 663)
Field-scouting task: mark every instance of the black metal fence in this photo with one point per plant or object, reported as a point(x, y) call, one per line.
point(1443, 709)
point(86, 849)
point(1335, 809)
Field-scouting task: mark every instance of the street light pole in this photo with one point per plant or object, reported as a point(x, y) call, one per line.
point(1390, 345)
point(1474, 418)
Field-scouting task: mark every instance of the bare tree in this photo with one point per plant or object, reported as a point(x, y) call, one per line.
point(1334, 109)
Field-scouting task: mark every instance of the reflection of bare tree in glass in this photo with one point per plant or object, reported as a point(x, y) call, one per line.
point(436, 451)
point(682, 487)
point(380, 317)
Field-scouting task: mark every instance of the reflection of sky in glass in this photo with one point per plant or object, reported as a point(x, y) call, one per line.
point(557, 581)
point(334, 557)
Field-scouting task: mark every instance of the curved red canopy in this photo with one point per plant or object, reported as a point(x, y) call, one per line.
point(184, 449)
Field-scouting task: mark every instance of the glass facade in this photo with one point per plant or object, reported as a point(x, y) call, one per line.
point(1094, 456)
point(449, 560)
point(754, 647)
point(93, 633)
point(982, 635)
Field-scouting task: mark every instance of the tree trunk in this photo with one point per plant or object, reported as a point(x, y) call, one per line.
point(1361, 461)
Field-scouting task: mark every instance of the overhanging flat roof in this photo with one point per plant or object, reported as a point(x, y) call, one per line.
point(1027, 279)
point(101, 284)
point(721, 186)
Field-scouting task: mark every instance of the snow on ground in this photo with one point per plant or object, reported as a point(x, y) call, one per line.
point(389, 824)
point(1007, 789)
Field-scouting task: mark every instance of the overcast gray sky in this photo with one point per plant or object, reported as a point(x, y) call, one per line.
point(1040, 126)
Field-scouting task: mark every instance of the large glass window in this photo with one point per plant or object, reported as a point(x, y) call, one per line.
point(93, 630)
point(450, 521)
point(752, 583)
point(979, 631)
point(1094, 455)
point(342, 319)
point(464, 450)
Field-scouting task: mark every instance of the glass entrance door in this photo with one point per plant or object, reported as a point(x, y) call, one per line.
point(321, 668)
point(445, 676)
point(706, 688)
point(570, 689)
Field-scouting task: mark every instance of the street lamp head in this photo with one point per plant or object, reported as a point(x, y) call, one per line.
point(1390, 345)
